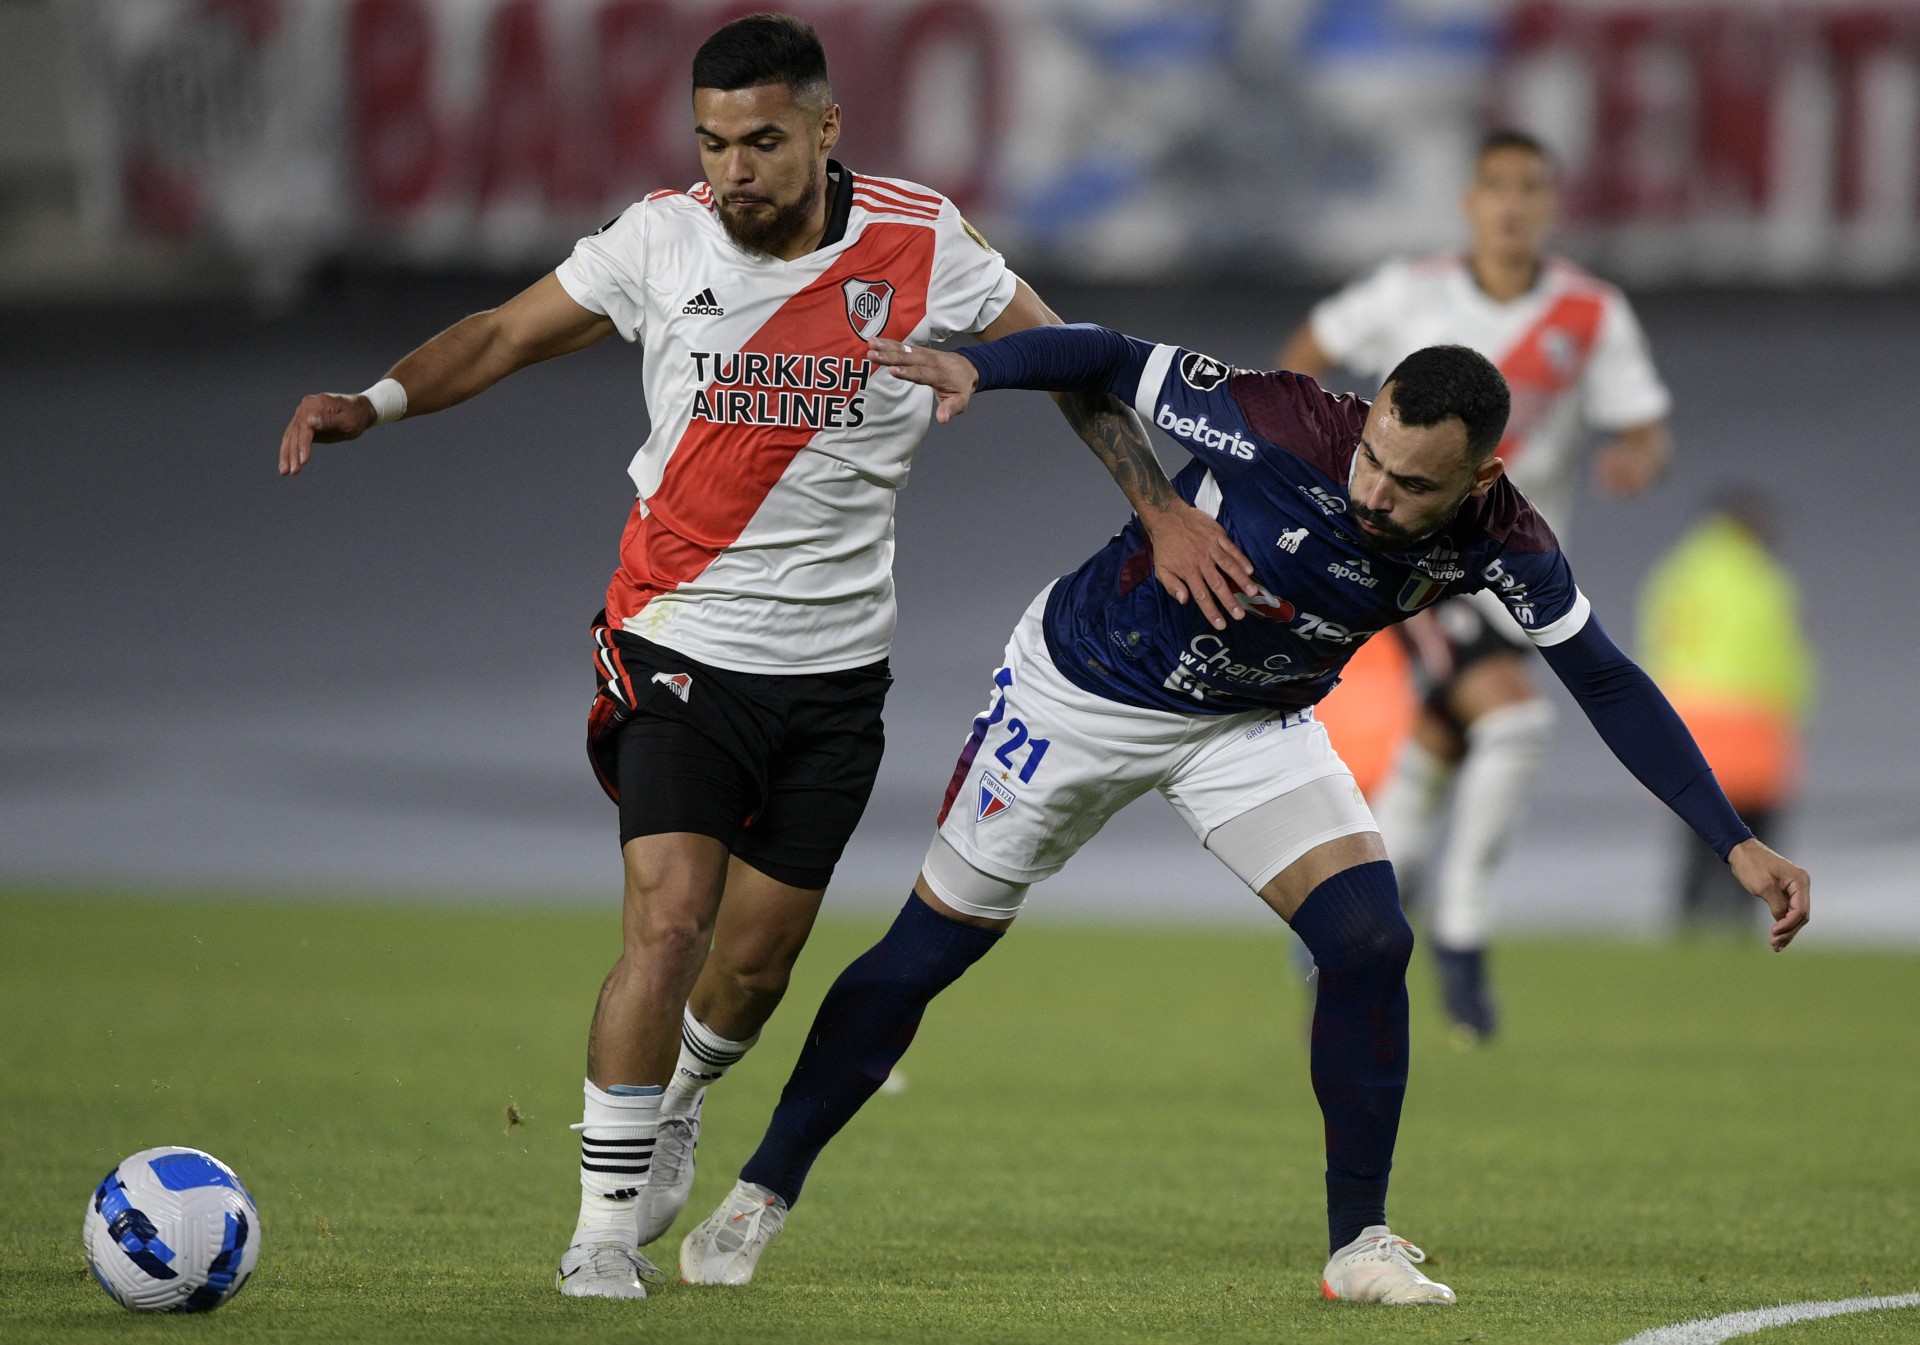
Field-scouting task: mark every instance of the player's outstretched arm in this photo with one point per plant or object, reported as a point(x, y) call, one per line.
point(537, 324)
point(1636, 721)
point(1635, 460)
point(1192, 554)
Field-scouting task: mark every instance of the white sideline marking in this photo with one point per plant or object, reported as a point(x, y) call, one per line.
point(1712, 1330)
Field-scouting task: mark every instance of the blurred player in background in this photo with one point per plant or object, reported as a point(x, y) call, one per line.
point(741, 656)
point(1356, 516)
point(1720, 632)
point(1575, 359)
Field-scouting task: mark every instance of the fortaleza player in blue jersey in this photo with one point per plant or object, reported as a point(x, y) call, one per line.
point(1356, 516)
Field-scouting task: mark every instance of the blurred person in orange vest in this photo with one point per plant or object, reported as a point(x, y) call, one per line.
point(1720, 630)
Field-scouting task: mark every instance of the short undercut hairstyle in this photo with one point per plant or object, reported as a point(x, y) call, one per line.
point(765, 49)
point(1441, 381)
point(1507, 137)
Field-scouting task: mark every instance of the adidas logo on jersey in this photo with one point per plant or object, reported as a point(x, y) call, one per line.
point(704, 305)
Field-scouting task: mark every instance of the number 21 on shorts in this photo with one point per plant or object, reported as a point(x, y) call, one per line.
point(1018, 736)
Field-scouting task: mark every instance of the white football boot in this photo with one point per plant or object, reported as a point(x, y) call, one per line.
point(725, 1248)
point(1377, 1267)
point(604, 1270)
point(670, 1179)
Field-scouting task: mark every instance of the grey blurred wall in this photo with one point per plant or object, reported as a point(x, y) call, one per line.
point(373, 678)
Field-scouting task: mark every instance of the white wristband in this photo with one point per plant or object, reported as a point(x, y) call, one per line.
point(389, 401)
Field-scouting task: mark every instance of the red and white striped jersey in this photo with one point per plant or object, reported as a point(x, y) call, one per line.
point(1572, 352)
point(762, 538)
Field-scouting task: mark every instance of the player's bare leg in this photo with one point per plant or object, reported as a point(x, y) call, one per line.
point(1508, 730)
point(674, 884)
point(1341, 899)
point(761, 927)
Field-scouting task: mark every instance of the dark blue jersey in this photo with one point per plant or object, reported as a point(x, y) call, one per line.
point(1272, 456)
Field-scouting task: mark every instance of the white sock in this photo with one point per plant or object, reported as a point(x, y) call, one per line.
point(1408, 810)
point(705, 1056)
point(616, 1150)
point(1504, 750)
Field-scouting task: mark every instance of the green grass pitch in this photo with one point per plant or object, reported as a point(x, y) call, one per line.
point(1108, 1135)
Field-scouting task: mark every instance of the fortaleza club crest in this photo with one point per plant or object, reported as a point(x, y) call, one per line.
point(995, 797)
point(868, 304)
point(1418, 591)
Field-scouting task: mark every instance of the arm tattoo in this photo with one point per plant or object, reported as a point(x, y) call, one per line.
point(1109, 427)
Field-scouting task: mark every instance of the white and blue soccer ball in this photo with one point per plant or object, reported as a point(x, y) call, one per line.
point(172, 1230)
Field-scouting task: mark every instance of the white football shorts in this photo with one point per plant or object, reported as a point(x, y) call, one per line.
point(1047, 764)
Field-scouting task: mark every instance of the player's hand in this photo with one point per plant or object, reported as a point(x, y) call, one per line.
point(952, 379)
point(1194, 557)
point(1633, 463)
point(1776, 880)
point(325, 418)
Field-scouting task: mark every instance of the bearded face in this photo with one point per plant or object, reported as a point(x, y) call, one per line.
point(761, 223)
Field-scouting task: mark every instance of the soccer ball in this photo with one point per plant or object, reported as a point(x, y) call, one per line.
point(171, 1230)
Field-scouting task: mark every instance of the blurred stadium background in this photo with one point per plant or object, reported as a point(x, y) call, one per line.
point(374, 679)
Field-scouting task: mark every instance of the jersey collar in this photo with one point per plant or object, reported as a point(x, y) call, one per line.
point(840, 190)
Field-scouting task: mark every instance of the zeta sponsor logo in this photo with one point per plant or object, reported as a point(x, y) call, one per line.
point(1418, 591)
point(704, 305)
point(995, 797)
point(1289, 541)
point(1330, 504)
point(1197, 431)
point(1203, 373)
point(1354, 571)
point(680, 684)
point(869, 302)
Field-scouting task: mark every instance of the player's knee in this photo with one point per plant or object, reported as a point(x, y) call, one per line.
point(660, 931)
point(757, 978)
point(1353, 922)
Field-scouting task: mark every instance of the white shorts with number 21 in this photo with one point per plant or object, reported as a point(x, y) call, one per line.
point(1047, 764)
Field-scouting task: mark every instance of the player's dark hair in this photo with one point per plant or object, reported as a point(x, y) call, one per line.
point(1508, 137)
point(1441, 381)
point(764, 49)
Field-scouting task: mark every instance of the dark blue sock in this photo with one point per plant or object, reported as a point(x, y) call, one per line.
point(864, 1026)
point(1360, 940)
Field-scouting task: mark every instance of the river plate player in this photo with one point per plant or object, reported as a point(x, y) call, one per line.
point(741, 657)
point(1356, 517)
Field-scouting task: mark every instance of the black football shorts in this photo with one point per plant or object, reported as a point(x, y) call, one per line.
point(1446, 640)
point(776, 767)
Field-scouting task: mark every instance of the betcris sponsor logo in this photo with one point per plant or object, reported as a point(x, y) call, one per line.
point(1197, 431)
point(1511, 590)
